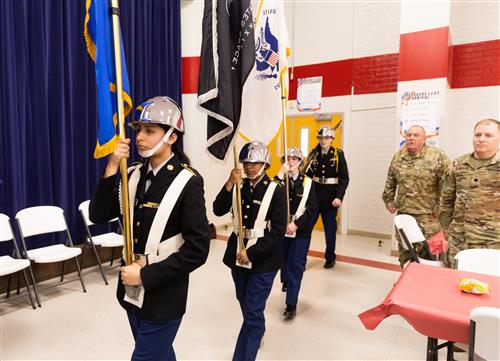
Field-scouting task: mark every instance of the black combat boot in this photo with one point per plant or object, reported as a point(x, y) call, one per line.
point(290, 312)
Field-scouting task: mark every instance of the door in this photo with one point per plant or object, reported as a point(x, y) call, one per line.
point(301, 133)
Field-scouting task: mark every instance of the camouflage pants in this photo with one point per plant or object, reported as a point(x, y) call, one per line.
point(429, 226)
point(454, 246)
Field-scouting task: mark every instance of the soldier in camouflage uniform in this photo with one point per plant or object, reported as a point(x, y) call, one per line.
point(470, 202)
point(418, 172)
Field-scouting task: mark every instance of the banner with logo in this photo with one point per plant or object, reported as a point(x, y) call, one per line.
point(261, 111)
point(420, 108)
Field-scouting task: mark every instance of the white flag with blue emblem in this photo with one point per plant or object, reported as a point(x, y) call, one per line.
point(261, 98)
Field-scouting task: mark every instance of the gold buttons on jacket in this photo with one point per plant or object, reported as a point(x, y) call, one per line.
point(138, 224)
point(170, 167)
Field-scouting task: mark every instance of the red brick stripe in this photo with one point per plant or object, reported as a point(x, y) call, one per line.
point(424, 55)
point(475, 64)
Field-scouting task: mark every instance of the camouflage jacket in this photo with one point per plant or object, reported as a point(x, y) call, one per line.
point(470, 202)
point(418, 180)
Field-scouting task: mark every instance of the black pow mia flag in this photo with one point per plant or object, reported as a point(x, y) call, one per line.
point(227, 57)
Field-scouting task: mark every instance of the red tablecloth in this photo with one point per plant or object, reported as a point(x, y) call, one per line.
point(429, 299)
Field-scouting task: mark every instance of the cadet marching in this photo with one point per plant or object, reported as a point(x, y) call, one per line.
point(170, 227)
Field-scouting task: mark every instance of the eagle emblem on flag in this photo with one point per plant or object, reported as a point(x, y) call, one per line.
point(266, 53)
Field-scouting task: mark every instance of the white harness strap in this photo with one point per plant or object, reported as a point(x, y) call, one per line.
point(161, 218)
point(260, 223)
point(305, 194)
point(155, 249)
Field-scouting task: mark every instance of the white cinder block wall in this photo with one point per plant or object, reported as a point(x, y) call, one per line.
point(471, 22)
point(323, 32)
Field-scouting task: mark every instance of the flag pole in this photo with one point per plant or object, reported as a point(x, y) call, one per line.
point(241, 244)
point(285, 147)
point(115, 17)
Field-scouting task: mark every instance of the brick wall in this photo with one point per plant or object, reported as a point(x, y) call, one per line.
point(475, 64)
point(375, 74)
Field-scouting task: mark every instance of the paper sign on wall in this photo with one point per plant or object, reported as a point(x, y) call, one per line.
point(420, 108)
point(309, 93)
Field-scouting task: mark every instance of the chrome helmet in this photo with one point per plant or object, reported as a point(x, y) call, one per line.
point(326, 131)
point(294, 152)
point(160, 110)
point(255, 152)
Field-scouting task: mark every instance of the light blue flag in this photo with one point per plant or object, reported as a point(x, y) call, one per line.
point(98, 32)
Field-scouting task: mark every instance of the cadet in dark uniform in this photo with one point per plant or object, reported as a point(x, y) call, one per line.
point(303, 206)
point(328, 170)
point(169, 227)
point(264, 220)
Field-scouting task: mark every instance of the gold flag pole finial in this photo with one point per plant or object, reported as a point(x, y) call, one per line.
point(115, 17)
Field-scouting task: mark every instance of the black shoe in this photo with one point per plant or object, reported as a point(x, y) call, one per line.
point(284, 287)
point(290, 312)
point(329, 264)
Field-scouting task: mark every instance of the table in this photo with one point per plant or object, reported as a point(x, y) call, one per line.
point(428, 298)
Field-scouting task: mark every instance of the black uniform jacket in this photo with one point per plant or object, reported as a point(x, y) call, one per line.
point(165, 282)
point(265, 255)
point(326, 166)
point(295, 193)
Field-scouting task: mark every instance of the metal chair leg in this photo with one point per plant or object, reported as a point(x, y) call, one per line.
point(28, 289)
point(112, 256)
point(62, 270)
point(34, 287)
point(18, 284)
point(99, 263)
point(83, 253)
point(80, 274)
point(7, 295)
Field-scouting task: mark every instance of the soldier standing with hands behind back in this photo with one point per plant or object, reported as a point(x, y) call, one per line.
point(328, 170)
point(470, 203)
point(418, 172)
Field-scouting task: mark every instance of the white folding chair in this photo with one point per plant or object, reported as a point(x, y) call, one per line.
point(479, 260)
point(10, 265)
point(110, 239)
point(42, 220)
point(484, 333)
point(411, 233)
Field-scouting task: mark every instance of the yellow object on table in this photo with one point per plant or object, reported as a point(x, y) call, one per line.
point(471, 285)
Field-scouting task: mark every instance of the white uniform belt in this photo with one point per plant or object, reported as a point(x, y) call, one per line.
point(323, 180)
point(254, 233)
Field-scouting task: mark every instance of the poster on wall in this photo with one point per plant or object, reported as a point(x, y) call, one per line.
point(420, 108)
point(309, 93)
